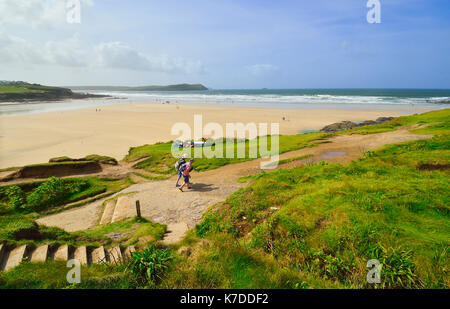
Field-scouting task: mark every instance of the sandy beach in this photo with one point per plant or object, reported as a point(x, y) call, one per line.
point(35, 138)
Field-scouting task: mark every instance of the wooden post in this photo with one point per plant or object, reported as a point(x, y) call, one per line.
point(138, 209)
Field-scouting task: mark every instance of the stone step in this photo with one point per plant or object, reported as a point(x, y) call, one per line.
point(15, 257)
point(98, 255)
point(115, 255)
point(108, 212)
point(127, 253)
point(62, 253)
point(81, 255)
point(40, 254)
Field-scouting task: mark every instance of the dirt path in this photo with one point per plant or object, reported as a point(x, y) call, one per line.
point(162, 202)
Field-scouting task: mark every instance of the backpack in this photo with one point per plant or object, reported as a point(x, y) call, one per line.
point(182, 167)
point(179, 163)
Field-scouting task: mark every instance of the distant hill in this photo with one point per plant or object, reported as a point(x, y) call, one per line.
point(178, 87)
point(19, 91)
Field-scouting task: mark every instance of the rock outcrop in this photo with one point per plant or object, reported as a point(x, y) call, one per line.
point(348, 125)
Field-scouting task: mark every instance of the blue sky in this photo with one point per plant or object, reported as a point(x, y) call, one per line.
point(228, 44)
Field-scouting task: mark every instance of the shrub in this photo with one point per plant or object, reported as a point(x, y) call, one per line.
point(16, 197)
point(397, 268)
point(52, 192)
point(149, 265)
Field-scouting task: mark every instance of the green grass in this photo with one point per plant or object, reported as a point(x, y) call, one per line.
point(289, 160)
point(222, 262)
point(132, 230)
point(52, 275)
point(436, 121)
point(159, 159)
point(26, 88)
point(92, 157)
point(151, 177)
point(17, 89)
point(22, 229)
point(91, 186)
point(320, 224)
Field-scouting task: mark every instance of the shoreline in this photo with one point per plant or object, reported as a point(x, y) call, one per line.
point(37, 137)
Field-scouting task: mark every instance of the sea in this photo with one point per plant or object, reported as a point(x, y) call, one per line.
point(403, 100)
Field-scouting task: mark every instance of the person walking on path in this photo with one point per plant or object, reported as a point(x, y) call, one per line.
point(186, 169)
point(178, 166)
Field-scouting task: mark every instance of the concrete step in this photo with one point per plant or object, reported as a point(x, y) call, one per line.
point(40, 254)
point(125, 207)
point(62, 253)
point(15, 257)
point(108, 212)
point(81, 255)
point(127, 253)
point(98, 255)
point(115, 255)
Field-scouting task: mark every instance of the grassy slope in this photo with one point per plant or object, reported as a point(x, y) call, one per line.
point(26, 88)
point(160, 160)
point(313, 226)
point(95, 186)
point(317, 226)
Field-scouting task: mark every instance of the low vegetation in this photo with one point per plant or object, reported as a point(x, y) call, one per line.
point(130, 231)
point(312, 226)
point(145, 269)
point(93, 157)
point(319, 225)
point(435, 122)
point(158, 158)
point(41, 196)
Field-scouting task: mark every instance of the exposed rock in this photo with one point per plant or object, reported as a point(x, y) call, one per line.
point(368, 123)
point(348, 125)
point(339, 126)
point(383, 119)
point(115, 236)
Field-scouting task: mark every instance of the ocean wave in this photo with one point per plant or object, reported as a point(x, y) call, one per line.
point(271, 98)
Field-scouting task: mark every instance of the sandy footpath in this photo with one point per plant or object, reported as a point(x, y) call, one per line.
point(34, 138)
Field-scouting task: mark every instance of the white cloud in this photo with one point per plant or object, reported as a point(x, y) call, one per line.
point(71, 53)
point(64, 53)
point(121, 56)
point(15, 49)
point(261, 69)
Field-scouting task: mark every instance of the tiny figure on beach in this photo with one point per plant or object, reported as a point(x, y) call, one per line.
point(187, 168)
point(178, 166)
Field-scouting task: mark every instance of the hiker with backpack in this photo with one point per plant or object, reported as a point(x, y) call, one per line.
point(186, 169)
point(178, 166)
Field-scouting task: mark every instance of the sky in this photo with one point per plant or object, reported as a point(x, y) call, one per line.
point(227, 44)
